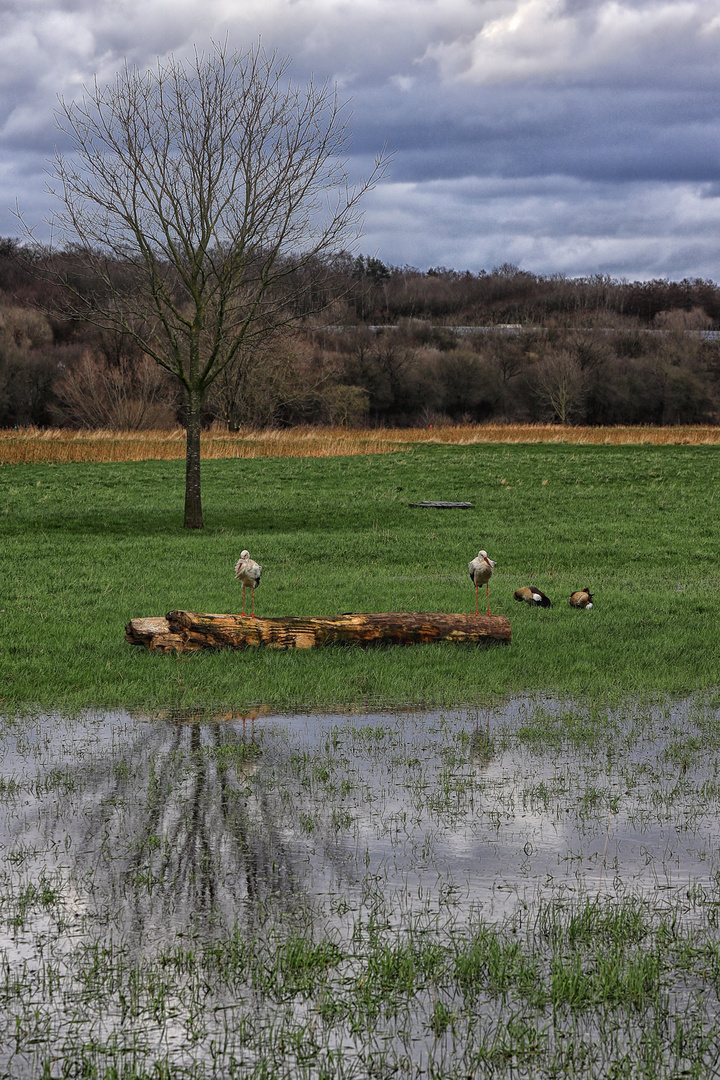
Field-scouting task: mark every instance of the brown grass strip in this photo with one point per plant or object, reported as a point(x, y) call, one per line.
point(60, 446)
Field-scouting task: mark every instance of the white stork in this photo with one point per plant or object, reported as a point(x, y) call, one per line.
point(248, 572)
point(481, 569)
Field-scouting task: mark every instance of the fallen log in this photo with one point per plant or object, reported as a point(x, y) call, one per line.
point(182, 631)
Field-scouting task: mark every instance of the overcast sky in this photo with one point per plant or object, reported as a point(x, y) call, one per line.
point(564, 136)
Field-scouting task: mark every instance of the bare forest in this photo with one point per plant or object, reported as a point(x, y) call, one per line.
point(393, 346)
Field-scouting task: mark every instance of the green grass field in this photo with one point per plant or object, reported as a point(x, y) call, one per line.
point(88, 547)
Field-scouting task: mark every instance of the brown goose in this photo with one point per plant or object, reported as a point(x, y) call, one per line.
point(533, 596)
point(481, 569)
point(582, 598)
point(247, 571)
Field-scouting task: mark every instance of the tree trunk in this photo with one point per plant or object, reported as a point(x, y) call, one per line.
point(193, 495)
point(189, 630)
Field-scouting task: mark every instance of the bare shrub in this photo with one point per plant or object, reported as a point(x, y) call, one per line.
point(469, 385)
point(344, 406)
point(560, 386)
point(686, 398)
point(277, 380)
point(127, 396)
point(507, 356)
point(27, 366)
point(26, 381)
point(24, 328)
point(681, 319)
point(416, 331)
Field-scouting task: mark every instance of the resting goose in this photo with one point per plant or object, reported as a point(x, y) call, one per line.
point(533, 596)
point(581, 599)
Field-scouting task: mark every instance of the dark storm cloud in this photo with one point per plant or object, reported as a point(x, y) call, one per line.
point(564, 135)
point(513, 132)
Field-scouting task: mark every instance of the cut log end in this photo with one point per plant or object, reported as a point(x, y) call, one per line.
point(182, 631)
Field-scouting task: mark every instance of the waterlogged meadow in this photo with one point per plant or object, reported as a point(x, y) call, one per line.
point(529, 889)
point(443, 861)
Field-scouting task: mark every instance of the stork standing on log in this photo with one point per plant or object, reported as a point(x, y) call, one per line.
point(248, 572)
point(481, 570)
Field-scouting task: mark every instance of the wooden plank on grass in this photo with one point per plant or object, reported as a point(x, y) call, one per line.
point(444, 505)
point(182, 631)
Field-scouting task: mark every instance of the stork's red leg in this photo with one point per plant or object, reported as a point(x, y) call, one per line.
point(252, 615)
point(477, 601)
point(488, 596)
point(243, 599)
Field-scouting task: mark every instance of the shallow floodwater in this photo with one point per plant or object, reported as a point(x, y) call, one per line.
point(191, 893)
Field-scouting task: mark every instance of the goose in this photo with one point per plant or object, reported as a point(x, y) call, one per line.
point(581, 599)
point(248, 571)
point(533, 596)
point(481, 569)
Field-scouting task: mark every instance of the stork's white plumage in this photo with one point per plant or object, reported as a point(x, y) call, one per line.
point(247, 571)
point(481, 569)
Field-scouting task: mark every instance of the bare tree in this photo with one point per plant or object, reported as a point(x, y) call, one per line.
point(199, 194)
point(560, 384)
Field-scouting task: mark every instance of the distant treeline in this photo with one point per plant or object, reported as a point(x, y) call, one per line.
point(393, 346)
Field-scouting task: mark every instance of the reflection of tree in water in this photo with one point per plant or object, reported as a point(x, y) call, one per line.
point(187, 828)
point(480, 745)
point(191, 824)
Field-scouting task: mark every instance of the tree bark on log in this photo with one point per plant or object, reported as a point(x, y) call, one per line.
point(183, 631)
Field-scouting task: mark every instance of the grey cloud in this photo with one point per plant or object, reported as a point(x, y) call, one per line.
point(580, 165)
point(629, 135)
point(608, 43)
point(559, 225)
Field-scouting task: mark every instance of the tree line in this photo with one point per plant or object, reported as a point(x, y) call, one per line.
point(371, 344)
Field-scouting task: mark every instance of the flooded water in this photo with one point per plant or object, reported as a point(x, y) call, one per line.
point(215, 896)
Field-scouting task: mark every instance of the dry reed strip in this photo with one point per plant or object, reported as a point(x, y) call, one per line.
point(59, 446)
